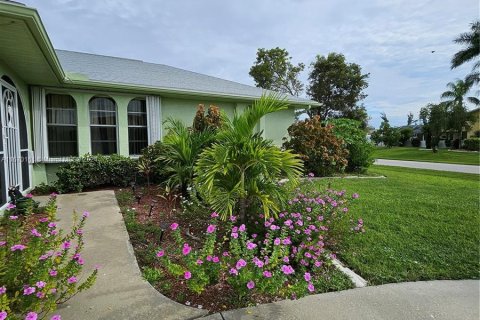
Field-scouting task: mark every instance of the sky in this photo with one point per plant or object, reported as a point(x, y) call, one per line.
point(392, 40)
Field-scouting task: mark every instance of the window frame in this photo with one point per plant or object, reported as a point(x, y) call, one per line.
point(48, 124)
point(90, 125)
point(146, 127)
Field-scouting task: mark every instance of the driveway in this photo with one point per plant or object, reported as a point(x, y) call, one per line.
point(463, 168)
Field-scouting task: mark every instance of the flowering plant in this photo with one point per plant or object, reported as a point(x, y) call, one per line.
point(39, 264)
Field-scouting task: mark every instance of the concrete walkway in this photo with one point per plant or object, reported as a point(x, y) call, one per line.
point(120, 292)
point(440, 300)
point(463, 168)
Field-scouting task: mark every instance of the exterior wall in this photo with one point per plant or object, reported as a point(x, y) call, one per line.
point(476, 124)
point(276, 125)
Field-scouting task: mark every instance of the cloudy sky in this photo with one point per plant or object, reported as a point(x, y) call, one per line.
point(392, 40)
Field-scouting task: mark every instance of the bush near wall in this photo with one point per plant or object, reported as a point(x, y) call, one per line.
point(93, 171)
point(472, 144)
point(321, 150)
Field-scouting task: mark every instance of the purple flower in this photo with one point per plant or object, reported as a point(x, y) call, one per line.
point(43, 220)
point(41, 284)
point(214, 215)
point(34, 232)
point(310, 287)
point(56, 317)
point(31, 316)
point(28, 291)
point(215, 259)
point(53, 195)
point(186, 249)
point(251, 245)
point(53, 273)
point(307, 276)
point(355, 196)
point(17, 247)
point(233, 218)
point(13, 217)
point(72, 280)
point(211, 228)
point(52, 225)
point(345, 209)
point(3, 315)
point(233, 271)
point(234, 235)
point(241, 228)
point(66, 245)
point(240, 264)
point(267, 274)
point(199, 261)
point(40, 295)
point(187, 275)
point(286, 269)
point(2, 243)
point(250, 285)
point(11, 206)
point(29, 195)
point(86, 214)
point(3, 290)
point(160, 253)
point(80, 231)
point(174, 226)
point(277, 241)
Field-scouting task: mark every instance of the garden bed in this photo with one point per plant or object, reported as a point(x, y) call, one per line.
point(149, 230)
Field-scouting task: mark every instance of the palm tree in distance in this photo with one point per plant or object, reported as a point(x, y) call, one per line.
point(471, 42)
point(457, 92)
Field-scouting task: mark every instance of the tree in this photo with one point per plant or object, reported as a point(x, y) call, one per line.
point(435, 122)
point(471, 42)
point(273, 70)
point(386, 133)
point(405, 135)
point(337, 85)
point(240, 171)
point(457, 93)
point(409, 119)
point(358, 113)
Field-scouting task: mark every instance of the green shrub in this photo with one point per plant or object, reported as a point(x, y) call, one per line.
point(43, 189)
point(40, 266)
point(241, 170)
point(472, 144)
point(355, 139)
point(148, 164)
point(322, 152)
point(405, 135)
point(416, 142)
point(96, 171)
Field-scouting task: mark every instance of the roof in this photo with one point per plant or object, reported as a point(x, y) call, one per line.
point(105, 69)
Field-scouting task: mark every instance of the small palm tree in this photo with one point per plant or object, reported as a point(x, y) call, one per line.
point(471, 42)
point(240, 172)
point(457, 93)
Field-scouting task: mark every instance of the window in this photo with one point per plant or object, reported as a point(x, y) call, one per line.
point(61, 126)
point(103, 125)
point(137, 126)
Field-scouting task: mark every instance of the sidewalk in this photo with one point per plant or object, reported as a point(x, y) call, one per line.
point(463, 168)
point(120, 292)
point(440, 300)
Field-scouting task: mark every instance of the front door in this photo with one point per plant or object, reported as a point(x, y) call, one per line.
point(11, 137)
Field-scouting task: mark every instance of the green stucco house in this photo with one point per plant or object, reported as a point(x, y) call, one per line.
point(58, 104)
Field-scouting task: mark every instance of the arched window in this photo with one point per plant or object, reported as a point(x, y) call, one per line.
point(61, 125)
point(137, 126)
point(103, 125)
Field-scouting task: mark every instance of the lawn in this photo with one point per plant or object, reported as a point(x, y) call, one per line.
point(420, 225)
point(415, 154)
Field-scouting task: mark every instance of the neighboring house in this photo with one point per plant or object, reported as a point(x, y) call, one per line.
point(56, 104)
point(474, 130)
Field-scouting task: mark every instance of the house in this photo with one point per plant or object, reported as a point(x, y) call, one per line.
point(474, 130)
point(58, 104)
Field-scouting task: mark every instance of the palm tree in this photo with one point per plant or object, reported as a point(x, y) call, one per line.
point(240, 172)
point(471, 42)
point(456, 95)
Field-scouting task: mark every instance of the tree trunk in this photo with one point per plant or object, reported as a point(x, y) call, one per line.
point(243, 210)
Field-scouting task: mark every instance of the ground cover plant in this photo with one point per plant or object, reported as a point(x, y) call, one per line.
point(414, 154)
point(40, 264)
point(421, 225)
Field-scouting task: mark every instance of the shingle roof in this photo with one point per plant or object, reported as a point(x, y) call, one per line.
point(136, 72)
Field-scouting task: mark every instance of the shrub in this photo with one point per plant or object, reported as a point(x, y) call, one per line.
point(405, 135)
point(211, 121)
point(472, 144)
point(287, 257)
point(355, 139)
point(148, 163)
point(241, 170)
point(416, 142)
point(39, 265)
point(96, 171)
point(322, 152)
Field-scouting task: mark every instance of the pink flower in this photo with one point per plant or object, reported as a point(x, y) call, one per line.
point(2, 243)
point(186, 249)
point(225, 254)
point(286, 269)
point(211, 228)
point(286, 259)
point(233, 218)
point(17, 247)
point(307, 276)
point(160, 253)
point(13, 217)
point(34, 232)
point(174, 226)
point(3, 315)
point(80, 261)
point(40, 284)
point(31, 316)
point(242, 228)
point(199, 261)
point(53, 195)
point(66, 245)
point(3, 290)
point(267, 274)
point(251, 245)
point(250, 285)
point(72, 280)
point(28, 291)
point(53, 273)
point(233, 271)
point(310, 287)
point(56, 317)
point(80, 231)
point(29, 195)
point(11, 206)
point(187, 275)
point(318, 264)
point(40, 295)
point(277, 241)
point(214, 215)
point(86, 214)
point(234, 235)
point(240, 264)
point(345, 209)
point(355, 196)
point(52, 225)
point(215, 259)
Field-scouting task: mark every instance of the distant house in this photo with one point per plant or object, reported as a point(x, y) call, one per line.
point(474, 130)
point(57, 104)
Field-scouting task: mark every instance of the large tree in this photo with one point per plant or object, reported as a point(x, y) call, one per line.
point(273, 70)
point(470, 52)
point(336, 84)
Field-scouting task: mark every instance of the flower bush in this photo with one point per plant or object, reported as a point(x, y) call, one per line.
point(39, 264)
point(283, 257)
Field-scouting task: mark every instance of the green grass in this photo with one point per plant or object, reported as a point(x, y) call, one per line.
point(414, 154)
point(420, 225)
